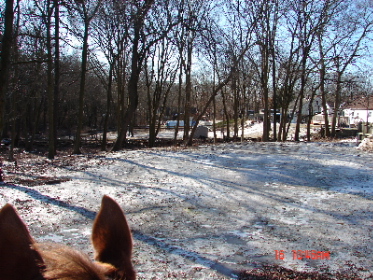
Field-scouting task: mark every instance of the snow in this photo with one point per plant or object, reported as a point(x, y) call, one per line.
point(207, 212)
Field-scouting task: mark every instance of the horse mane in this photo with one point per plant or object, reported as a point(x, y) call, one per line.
point(63, 262)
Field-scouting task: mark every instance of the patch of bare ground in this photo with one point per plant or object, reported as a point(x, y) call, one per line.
point(275, 272)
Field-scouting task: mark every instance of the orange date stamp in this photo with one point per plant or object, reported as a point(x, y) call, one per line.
point(303, 255)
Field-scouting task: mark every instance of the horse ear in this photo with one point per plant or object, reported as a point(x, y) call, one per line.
point(112, 239)
point(18, 259)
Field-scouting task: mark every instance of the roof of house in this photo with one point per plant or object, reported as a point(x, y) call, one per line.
point(362, 102)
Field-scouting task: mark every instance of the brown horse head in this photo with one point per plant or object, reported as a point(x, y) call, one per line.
point(22, 258)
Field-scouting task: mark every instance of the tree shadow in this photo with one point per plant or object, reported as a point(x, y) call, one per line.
point(190, 255)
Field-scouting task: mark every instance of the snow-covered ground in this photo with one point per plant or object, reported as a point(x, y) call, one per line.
point(207, 212)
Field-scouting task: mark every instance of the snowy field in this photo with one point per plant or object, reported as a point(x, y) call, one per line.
point(208, 212)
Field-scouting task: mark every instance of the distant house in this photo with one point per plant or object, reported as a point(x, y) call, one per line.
point(319, 117)
point(317, 110)
point(316, 105)
point(359, 110)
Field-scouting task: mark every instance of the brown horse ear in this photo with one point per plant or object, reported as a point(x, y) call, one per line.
point(112, 239)
point(18, 259)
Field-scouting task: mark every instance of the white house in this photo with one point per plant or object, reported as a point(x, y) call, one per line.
point(316, 105)
point(317, 109)
point(359, 110)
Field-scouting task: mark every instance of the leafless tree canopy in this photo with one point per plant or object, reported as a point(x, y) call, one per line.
point(75, 68)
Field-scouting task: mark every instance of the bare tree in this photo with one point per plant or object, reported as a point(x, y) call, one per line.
point(346, 49)
point(322, 78)
point(247, 63)
point(228, 67)
point(264, 18)
point(306, 35)
point(112, 38)
point(14, 92)
point(308, 18)
point(45, 10)
point(192, 15)
point(57, 74)
point(159, 80)
point(86, 10)
point(341, 38)
point(6, 49)
point(147, 27)
point(139, 12)
point(214, 92)
point(287, 78)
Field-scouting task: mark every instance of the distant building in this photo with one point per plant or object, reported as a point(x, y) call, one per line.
point(359, 110)
point(316, 106)
point(317, 112)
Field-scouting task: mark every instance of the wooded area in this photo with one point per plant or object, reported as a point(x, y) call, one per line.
point(70, 66)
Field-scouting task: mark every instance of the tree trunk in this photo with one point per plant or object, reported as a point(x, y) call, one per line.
point(50, 92)
point(179, 98)
point(132, 91)
point(227, 118)
point(7, 44)
point(301, 93)
point(136, 65)
point(77, 140)
point(108, 101)
point(15, 132)
point(299, 115)
point(188, 90)
point(37, 112)
point(322, 72)
point(153, 106)
point(214, 118)
point(236, 105)
point(57, 70)
point(337, 103)
point(305, 51)
point(265, 90)
point(310, 115)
